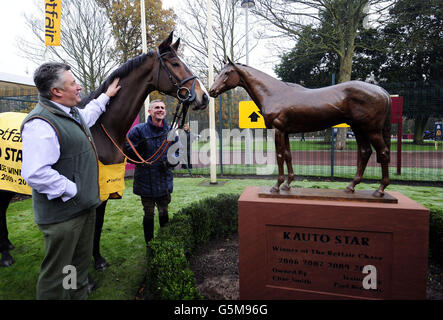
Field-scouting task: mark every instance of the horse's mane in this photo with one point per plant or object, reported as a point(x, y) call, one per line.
point(120, 72)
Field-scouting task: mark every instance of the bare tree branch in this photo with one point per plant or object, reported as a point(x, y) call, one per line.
point(85, 42)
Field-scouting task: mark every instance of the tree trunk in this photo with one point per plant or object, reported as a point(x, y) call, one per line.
point(340, 139)
point(347, 48)
point(344, 75)
point(419, 128)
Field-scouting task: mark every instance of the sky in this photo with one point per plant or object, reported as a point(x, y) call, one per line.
point(12, 25)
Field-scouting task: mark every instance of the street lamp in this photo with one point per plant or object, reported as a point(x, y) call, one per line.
point(246, 4)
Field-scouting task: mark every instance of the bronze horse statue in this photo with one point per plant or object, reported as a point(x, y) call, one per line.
point(291, 108)
point(160, 70)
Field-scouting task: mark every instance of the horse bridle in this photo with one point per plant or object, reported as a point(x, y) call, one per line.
point(183, 100)
point(180, 112)
point(190, 95)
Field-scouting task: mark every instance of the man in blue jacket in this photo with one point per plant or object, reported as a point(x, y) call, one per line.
point(153, 182)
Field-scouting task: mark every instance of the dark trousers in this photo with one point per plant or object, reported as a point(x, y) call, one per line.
point(68, 244)
point(149, 204)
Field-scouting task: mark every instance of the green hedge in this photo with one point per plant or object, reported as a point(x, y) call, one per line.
point(169, 276)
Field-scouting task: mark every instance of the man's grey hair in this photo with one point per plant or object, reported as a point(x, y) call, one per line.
point(151, 104)
point(48, 76)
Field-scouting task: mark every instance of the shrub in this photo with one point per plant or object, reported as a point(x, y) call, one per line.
point(169, 276)
point(436, 234)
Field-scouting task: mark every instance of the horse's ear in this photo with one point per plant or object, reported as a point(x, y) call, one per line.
point(176, 44)
point(166, 43)
point(230, 62)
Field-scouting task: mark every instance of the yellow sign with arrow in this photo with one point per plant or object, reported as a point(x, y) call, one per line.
point(250, 116)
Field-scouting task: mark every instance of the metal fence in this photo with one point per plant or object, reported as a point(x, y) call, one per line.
point(17, 99)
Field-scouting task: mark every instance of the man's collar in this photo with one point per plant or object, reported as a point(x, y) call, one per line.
point(54, 105)
point(64, 108)
point(152, 122)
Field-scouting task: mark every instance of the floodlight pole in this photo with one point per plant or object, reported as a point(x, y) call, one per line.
point(246, 4)
point(144, 50)
point(212, 137)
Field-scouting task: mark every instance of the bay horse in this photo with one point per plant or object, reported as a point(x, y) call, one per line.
point(292, 108)
point(160, 70)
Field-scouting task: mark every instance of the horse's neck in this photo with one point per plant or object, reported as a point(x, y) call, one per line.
point(122, 111)
point(128, 102)
point(259, 85)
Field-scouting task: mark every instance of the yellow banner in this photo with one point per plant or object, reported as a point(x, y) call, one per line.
point(250, 116)
point(111, 180)
point(111, 177)
point(11, 153)
point(53, 11)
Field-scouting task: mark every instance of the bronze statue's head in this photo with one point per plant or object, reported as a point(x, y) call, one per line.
point(227, 79)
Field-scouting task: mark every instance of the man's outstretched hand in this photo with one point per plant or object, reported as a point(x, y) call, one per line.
point(113, 88)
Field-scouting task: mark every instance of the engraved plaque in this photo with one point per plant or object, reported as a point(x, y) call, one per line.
point(329, 261)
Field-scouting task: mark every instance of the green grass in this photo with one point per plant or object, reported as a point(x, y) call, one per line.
point(122, 241)
point(407, 174)
point(315, 145)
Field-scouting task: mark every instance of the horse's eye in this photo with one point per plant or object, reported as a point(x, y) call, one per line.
point(175, 64)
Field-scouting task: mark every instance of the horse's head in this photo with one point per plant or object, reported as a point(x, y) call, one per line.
point(227, 79)
point(175, 78)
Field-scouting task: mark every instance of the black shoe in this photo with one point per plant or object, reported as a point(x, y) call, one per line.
point(6, 259)
point(100, 264)
point(163, 220)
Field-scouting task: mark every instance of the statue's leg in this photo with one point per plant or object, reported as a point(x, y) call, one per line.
point(363, 155)
point(383, 158)
point(280, 153)
point(288, 160)
point(100, 263)
point(5, 244)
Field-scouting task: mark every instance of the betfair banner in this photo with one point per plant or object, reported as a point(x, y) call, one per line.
point(11, 153)
point(53, 10)
point(111, 180)
point(111, 177)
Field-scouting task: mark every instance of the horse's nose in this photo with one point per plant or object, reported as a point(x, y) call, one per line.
point(212, 93)
point(205, 99)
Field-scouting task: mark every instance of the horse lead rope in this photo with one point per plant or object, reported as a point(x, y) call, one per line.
point(147, 161)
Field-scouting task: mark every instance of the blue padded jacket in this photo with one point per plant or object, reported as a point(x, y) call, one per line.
point(154, 180)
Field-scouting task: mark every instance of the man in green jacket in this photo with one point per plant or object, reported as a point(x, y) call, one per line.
point(60, 164)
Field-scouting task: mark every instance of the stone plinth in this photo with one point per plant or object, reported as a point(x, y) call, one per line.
point(292, 248)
